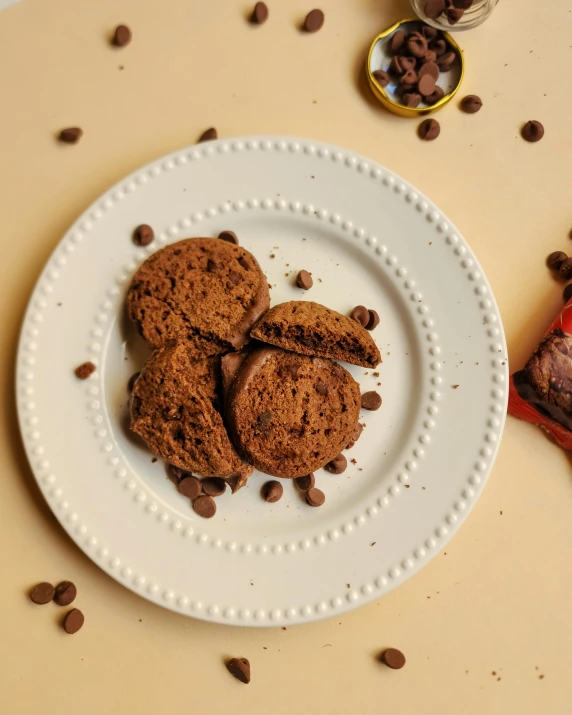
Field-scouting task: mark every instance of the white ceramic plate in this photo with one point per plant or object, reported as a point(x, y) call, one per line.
point(369, 238)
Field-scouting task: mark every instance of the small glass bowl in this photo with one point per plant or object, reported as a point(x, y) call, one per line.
point(379, 58)
point(479, 11)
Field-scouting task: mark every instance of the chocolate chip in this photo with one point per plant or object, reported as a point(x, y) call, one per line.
point(208, 135)
point(409, 78)
point(428, 32)
point(567, 293)
point(417, 44)
point(315, 497)
point(434, 8)
point(355, 435)
point(205, 506)
point(143, 235)
point(430, 56)
point(361, 315)
point(132, 381)
point(429, 129)
point(122, 36)
point(322, 389)
point(234, 278)
point(214, 486)
point(470, 104)
point(338, 465)
point(190, 487)
point(381, 77)
point(305, 483)
point(65, 594)
point(272, 491)
point(175, 474)
point(304, 280)
point(411, 99)
point(429, 68)
point(462, 4)
point(42, 593)
point(84, 370)
point(454, 15)
point(244, 263)
point(314, 21)
point(565, 270)
point(371, 400)
point(71, 135)
point(259, 14)
point(556, 259)
point(439, 46)
point(400, 64)
point(373, 321)
point(426, 85)
point(532, 131)
point(445, 61)
point(229, 237)
point(240, 668)
point(73, 621)
point(437, 95)
point(397, 41)
point(393, 658)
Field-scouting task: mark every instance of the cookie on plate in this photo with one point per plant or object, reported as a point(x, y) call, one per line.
point(175, 408)
point(290, 414)
point(312, 329)
point(203, 292)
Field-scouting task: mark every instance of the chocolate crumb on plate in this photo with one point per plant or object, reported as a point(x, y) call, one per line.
point(122, 36)
point(73, 621)
point(371, 400)
point(208, 135)
point(259, 14)
point(429, 129)
point(42, 593)
point(84, 370)
point(338, 465)
point(71, 135)
point(532, 131)
point(314, 21)
point(143, 235)
point(240, 668)
point(272, 491)
point(205, 506)
point(393, 658)
point(306, 482)
point(304, 280)
point(229, 237)
point(315, 497)
point(65, 593)
point(470, 104)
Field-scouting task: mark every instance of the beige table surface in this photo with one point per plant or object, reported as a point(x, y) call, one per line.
point(499, 599)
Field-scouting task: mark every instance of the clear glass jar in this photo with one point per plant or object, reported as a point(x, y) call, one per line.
point(473, 17)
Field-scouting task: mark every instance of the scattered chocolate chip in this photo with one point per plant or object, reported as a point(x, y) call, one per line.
point(532, 131)
point(470, 104)
point(84, 370)
point(42, 593)
point(205, 506)
point(71, 135)
point(122, 36)
point(315, 497)
point(393, 658)
point(338, 465)
point(208, 135)
point(272, 491)
point(314, 21)
point(445, 61)
point(73, 621)
point(361, 315)
point(65, 593)
point(417, 45)
point(304, 280)
point(213, 486)
point(397, 41)
point(426, 85)
point(143, 235)
point(429, 68)
point(429, 129)
point(240, 668)
point(454, 15)
point(259, 14)
point(434, 8)
point(565, 270)
point(305, 483)
point(437, 95)
point(190, 487)
point(556, 259)
point(132, 381)
point(411, 99)
point(381, 77)
point(355, 435)
point(371, 400)
point(229, 237)
point(175, 474)
point(567, 293)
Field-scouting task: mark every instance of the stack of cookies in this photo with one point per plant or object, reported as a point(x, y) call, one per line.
point(232, 385)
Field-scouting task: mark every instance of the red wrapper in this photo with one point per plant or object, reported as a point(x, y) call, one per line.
point(542, 392)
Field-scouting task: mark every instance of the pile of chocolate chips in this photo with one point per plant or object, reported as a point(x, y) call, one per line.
point(452, 9)
point(418, 59)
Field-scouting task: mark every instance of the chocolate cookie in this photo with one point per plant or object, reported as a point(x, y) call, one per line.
point(312, 329)
point(546, 381)
point(289, 414)
point(175, 408)
point(203, 292)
